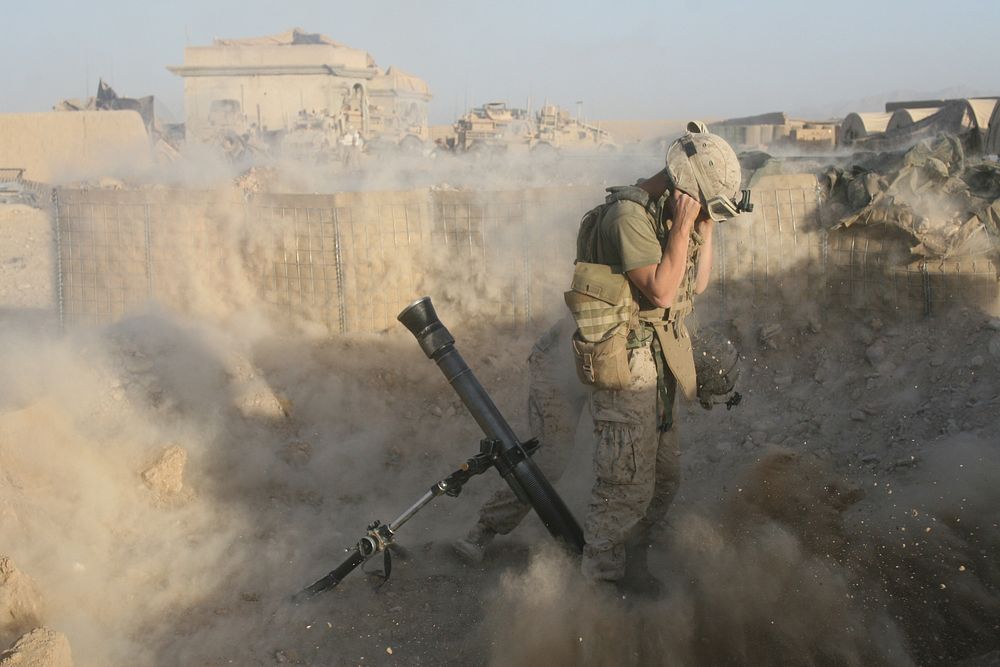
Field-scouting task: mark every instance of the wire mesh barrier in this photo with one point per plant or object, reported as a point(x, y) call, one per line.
point(348, 262)
point(102, 257)
point(777, 253)
point(870, 267)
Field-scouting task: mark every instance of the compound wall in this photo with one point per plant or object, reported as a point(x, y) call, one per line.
point(56, 147)
point(347, 263)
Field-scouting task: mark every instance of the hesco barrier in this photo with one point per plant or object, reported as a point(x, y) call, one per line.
point(349, 262)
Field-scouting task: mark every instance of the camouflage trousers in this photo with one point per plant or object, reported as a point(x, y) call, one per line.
point(636, 469)
point(555, 401)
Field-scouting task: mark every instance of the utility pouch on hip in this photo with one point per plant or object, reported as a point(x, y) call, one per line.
point(602, 305)
point(604, 364)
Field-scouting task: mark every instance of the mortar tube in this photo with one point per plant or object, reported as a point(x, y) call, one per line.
point(525, 478)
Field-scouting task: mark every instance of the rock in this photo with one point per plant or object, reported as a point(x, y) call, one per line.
point(976, 362)
point(20, 602)
point(814, 326)
point(864, 334)
point(723, 448)
point(768, 335)
point(994, 347)
point(871, 458)
point(875, 354)
point(166, 476)
point(258, 401)
point(39, 648)
point(296, 454)
point(908, 462)
point(858, 415)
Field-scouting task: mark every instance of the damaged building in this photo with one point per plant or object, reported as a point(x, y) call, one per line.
point(272, 86)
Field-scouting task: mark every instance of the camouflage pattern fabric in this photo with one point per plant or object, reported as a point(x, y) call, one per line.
point(636, 469)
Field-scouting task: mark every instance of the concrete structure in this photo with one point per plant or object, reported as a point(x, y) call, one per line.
point(56, 147)
point(266, 84)
point(773, 130)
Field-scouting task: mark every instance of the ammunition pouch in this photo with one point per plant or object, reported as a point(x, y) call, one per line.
point(604, 364)
point(605, 314)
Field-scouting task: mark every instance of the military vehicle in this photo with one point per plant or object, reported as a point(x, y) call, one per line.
point(495, 128)
point(555, 128)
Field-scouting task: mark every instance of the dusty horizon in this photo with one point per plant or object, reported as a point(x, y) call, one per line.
point(566, 54)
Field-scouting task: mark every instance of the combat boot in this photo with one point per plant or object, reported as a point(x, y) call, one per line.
point(638, 580)
point(472, 547)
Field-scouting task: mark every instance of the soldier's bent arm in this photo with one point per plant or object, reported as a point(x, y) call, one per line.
point(660, 282)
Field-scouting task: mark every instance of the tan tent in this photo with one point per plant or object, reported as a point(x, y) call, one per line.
point(980, 112)
point(993, 137)
point(905, 117)
point(860, 125)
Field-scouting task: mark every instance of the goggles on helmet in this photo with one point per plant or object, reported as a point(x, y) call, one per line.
point(719, 207)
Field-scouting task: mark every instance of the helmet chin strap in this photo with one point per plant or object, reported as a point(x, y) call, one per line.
point(694, 159)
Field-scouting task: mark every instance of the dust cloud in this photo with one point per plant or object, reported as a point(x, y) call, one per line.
point(168, 480)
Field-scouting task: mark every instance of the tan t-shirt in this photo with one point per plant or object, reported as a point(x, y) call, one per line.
point(630, 236)
point(627, 237)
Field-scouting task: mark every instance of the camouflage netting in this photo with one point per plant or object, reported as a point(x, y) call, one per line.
point(946, 203)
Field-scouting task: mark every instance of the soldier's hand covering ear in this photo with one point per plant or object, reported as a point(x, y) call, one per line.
point(684, 208)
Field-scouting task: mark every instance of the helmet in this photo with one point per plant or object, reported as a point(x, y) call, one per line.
point(716, 365)
point(704, 166)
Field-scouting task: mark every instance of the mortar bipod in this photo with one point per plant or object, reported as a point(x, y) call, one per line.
point(380, 536)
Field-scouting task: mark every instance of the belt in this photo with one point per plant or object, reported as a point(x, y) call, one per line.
point(672, 316)
point(679, 310)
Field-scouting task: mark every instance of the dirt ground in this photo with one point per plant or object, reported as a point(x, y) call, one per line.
point(844, 513)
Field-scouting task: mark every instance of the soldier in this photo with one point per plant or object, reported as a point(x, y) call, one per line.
point(659, 236)
point(641, 258)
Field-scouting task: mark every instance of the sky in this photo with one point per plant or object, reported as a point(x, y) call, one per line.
point(638, 59)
